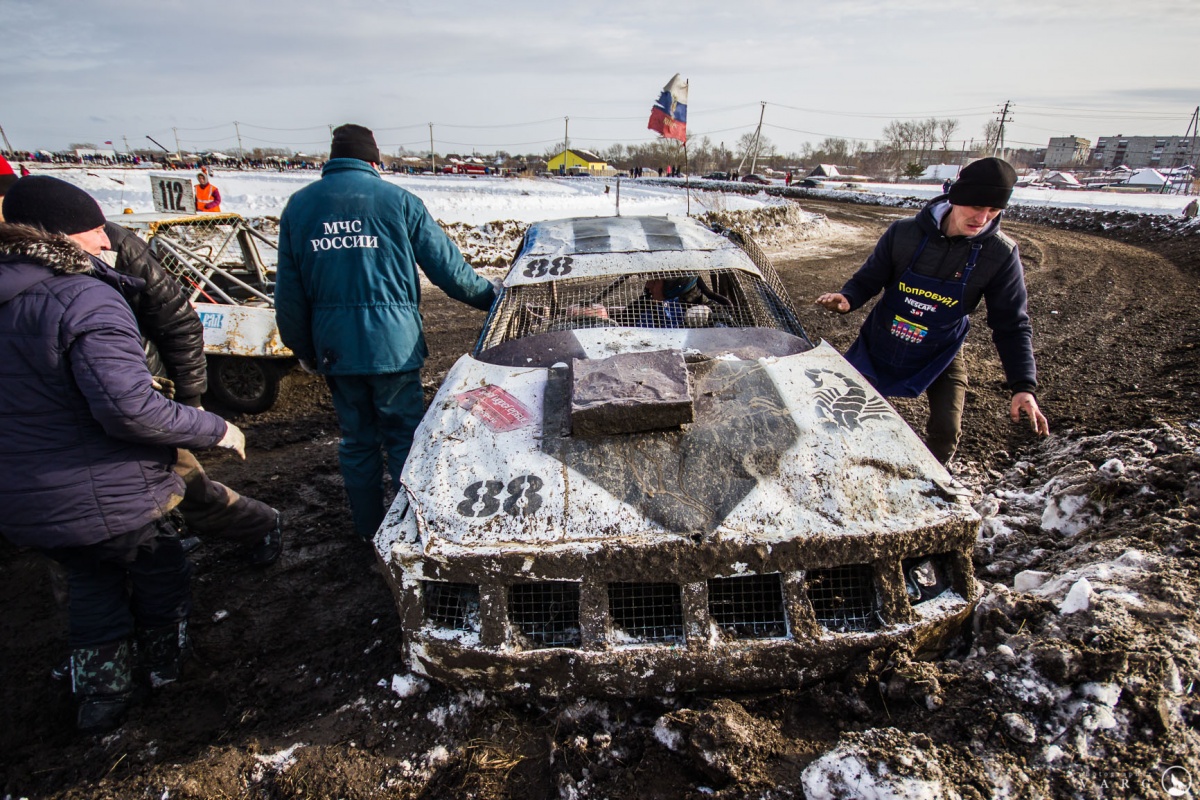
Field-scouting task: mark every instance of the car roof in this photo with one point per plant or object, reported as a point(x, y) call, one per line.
point(581, 247)
point(152, 220)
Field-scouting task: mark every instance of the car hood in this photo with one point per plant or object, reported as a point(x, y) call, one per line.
point(780, 447)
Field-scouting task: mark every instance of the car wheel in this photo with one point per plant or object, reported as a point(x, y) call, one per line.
point(245, 385)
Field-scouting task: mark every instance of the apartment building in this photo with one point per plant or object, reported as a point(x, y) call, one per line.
point(1159, 152)
point(1067, 152)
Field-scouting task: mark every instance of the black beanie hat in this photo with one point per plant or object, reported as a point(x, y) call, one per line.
point(354, 141)
point(986, 182)
point(51, 204)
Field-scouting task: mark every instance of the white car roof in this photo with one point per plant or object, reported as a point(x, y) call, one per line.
point(599, 246)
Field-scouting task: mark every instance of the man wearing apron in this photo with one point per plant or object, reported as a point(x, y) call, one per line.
point(933, 270)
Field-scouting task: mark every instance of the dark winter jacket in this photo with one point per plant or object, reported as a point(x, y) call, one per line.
point(164, 316)
point(347, 289)
point(998, 278)
point(86, 444)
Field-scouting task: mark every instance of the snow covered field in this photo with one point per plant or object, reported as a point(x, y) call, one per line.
point(1054, 198)
point(474, 200)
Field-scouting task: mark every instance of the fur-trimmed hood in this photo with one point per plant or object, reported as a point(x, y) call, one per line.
point(33, 245)
point(29, 256)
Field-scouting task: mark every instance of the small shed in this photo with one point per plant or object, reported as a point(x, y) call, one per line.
point(1063, 180)
point(577, 160)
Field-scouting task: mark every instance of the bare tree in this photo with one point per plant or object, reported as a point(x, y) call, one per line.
point(945, 132)
point(991, 135)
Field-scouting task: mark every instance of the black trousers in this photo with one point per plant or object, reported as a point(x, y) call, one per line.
point(140, 579)
point(947, 395)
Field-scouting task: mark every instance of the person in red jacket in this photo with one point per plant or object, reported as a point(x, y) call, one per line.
point(208, 196)
point(7, 178)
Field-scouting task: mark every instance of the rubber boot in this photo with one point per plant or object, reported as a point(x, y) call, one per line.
point(366, 510)
point(267, 551)
point(161, 652)
point(102, 683)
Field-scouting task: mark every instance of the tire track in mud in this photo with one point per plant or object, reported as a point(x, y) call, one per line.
point(304, 645)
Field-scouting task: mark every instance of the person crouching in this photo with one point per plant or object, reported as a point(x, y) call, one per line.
point(87, 447)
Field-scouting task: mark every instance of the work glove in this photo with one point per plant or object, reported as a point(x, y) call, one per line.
point(234, 440)
point(164, 386)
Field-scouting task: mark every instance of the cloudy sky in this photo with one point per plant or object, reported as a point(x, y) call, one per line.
point(503, 76)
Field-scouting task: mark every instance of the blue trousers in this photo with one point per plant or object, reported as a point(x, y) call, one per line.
point(139, 579)
point(377, 414)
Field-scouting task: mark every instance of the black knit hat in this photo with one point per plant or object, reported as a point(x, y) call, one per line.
point(354, 141)
point(51, 204)
point(986, 182)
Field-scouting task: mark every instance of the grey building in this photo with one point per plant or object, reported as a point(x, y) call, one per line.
point(1159, 152)
point(1067, 152)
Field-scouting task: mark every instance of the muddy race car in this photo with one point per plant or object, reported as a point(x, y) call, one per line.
point(217, 259)
point(647, 479)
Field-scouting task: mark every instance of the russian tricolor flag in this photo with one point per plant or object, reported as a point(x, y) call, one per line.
point(669, 115)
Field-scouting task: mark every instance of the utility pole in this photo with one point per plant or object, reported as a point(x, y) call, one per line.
point(998, 149)
point(1182, 184)
point(241, 152)
point(566, 142)
point(754, 144)
point(178, 149)
point(432, 157)
point(125, 139)
point(7, 147)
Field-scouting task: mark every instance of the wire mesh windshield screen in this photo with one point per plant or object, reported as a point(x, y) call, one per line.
point(727, 298)
point(218, 260)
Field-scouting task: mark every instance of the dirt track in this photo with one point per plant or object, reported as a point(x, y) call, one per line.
point(302, 653)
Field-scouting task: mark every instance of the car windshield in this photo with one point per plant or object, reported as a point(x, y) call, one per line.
point(669, 299)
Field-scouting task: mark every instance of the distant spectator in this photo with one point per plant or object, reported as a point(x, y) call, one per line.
point(7, 178)
point(946, 186)
point(1190, 210)
point(208, 196)
point(787, 179)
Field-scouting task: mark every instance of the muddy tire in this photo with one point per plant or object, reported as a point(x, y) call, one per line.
point(244, 385)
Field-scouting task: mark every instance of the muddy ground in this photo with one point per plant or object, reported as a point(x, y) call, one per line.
point(289, 692)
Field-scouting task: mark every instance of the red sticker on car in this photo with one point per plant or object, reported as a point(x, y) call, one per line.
point(498, 409)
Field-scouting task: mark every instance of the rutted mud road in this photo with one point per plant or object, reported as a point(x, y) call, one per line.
point(301, 656)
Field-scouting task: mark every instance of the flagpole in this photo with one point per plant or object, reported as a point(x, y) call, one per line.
point(687, 179)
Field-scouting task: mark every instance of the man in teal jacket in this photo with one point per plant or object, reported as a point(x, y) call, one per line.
point(346, 299)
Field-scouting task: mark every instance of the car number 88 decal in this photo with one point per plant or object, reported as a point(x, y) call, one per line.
point(483, 497)
point(541, 267)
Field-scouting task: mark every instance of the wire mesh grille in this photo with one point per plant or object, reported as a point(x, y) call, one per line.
point(546, 614)
point(220, 259)
point(748, 607)
point(843, 598)
point(646, 612)
point(663, 299)
point(452, 605)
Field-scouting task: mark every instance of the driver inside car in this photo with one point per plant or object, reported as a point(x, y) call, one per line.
point(680, 302)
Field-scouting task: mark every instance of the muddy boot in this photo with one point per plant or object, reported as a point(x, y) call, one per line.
point(267, 552)
point(161, 652)
point(102, 684)
point(366, 510)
